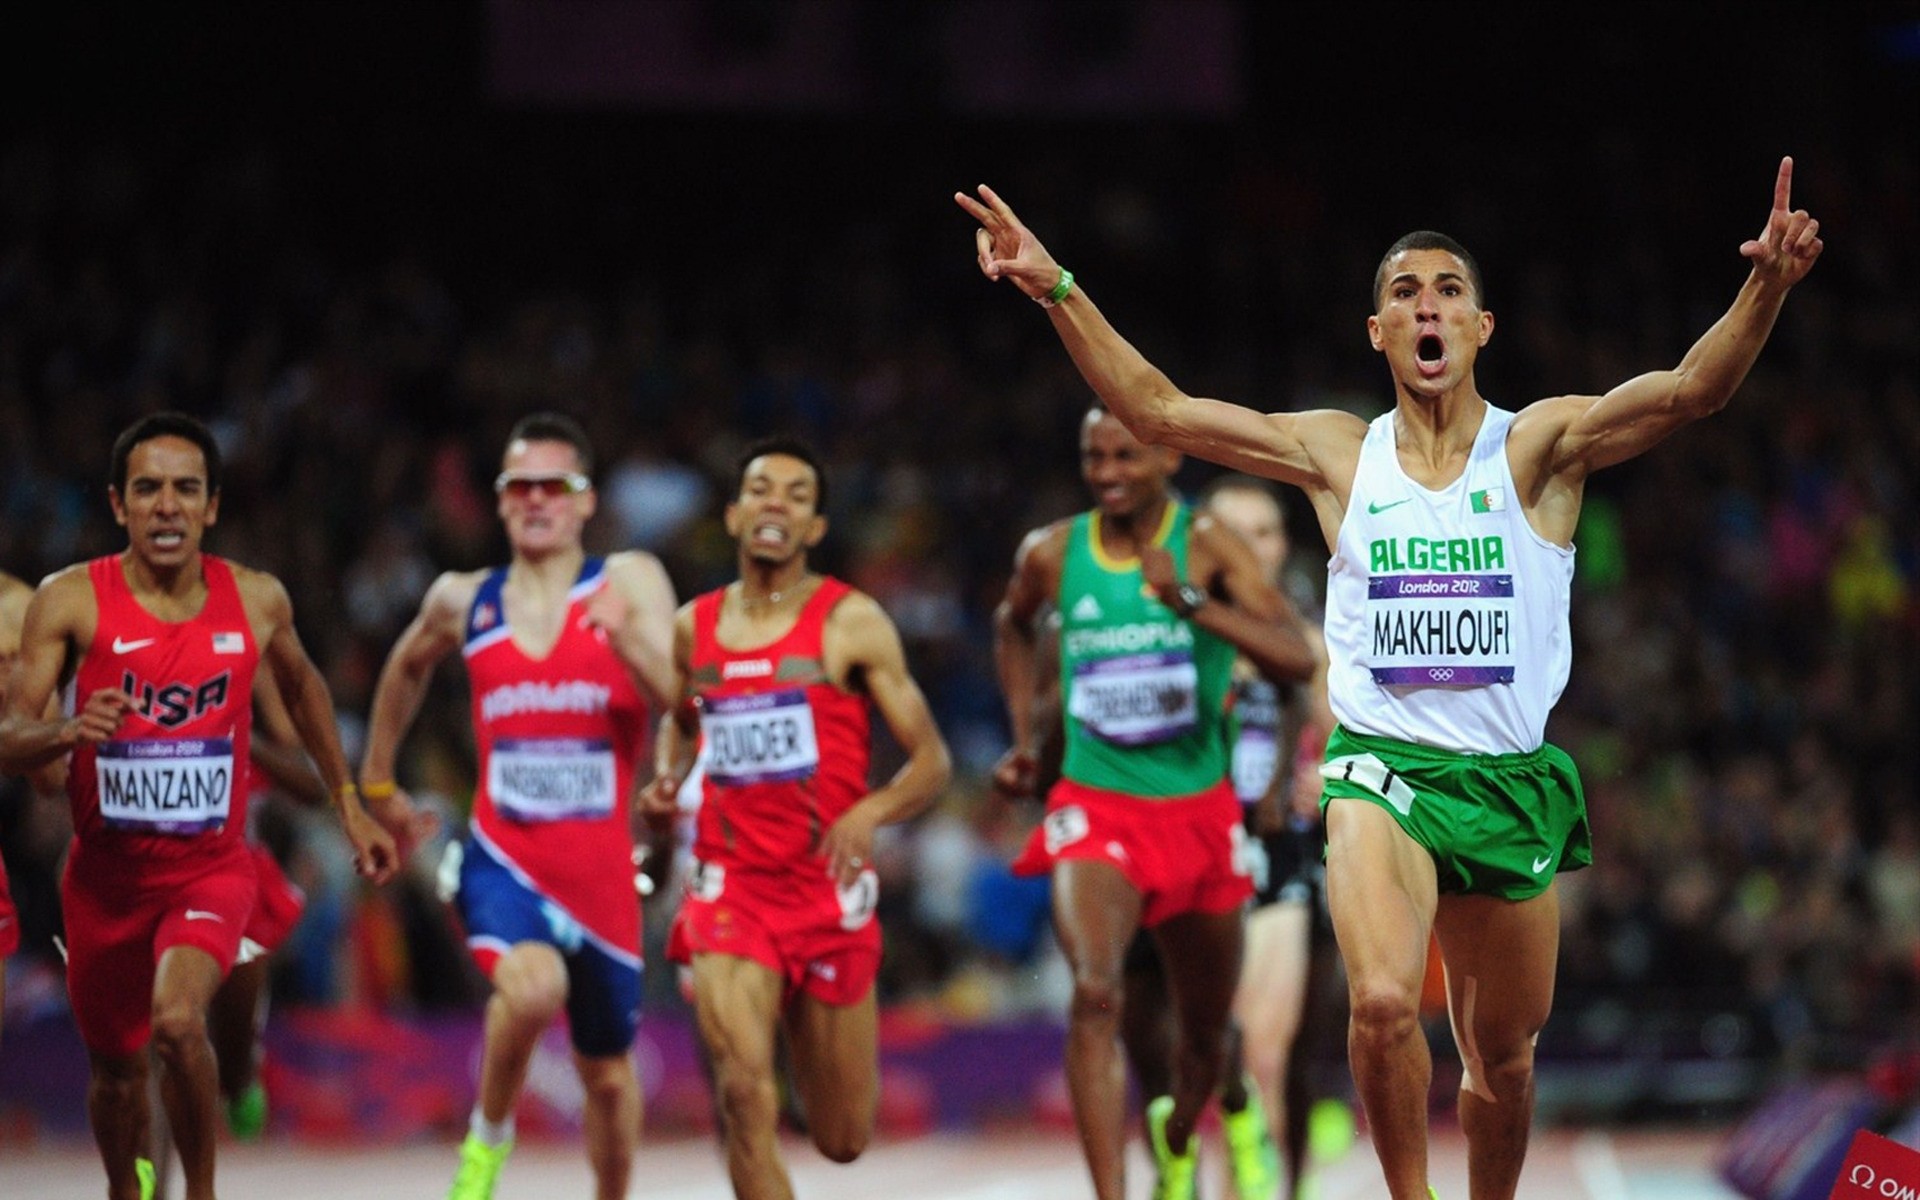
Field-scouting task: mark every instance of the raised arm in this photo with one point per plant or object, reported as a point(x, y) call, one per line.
point(864, 644)
point(1561, 441)
point(636, 611)
point(310, 706)
point(1303, 449)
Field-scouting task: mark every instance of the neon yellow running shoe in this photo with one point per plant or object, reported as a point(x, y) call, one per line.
point(1177, 1171)
point(143, 1167)
point(247, 1112)
point(1254, 1159)
point(479, 1166)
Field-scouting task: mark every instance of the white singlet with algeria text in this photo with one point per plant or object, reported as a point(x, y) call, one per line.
point(1447, 622)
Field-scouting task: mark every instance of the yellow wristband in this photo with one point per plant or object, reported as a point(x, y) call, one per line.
point(377, 791)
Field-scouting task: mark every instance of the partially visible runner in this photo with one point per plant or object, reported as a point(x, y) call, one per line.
point(1450, 525)
point(1288, 936)
point(564, 653)
point(161, 643)
point(778, 674)
point(1142, 830)
point(14, 595)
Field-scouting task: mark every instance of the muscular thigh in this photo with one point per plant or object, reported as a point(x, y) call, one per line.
point(836, 1053)
point(1500, 957)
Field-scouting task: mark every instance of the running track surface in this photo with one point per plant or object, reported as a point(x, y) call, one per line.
point(1590, 1165)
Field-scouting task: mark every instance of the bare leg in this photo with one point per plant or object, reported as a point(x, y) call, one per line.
point(117, 1110)
point(1500, 958)
point(1202, 956)
point(1146, 1017)
point(737, 1003)
point(1269, 1004)
point(234, 1022)
point(1095, 912)
point(529, 990)
point(612, 1120)
point(183, 986)
point(1382, 890)
point(836, 1067)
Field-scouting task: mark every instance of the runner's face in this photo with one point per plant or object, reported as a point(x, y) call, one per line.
point(1430, 324)
point(165, 505)
point(536, 501)
point(775, 518)
point(1256, 518)
point(1125, 475)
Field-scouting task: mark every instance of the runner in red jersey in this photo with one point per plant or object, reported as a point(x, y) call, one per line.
point(563, 652)
point(779, 670)
point(163, 641)
point(14, 595)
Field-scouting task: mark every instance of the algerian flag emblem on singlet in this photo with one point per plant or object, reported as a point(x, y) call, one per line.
point(1488, 500)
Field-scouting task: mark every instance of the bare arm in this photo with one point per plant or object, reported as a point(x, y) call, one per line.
point(310, 706)
point(1036, 574)
point(1557, 443)
point(678, 736)
point(863, 639)
point(276, 747)
point(636, 611)
point(1310, 450)
point(1250, 612)
point(433, 634)
point(59, 620)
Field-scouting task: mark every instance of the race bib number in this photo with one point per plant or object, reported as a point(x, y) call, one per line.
point(763, 738)
point(173, 786)
point(859, 900)
point(1256, 756)
point(1445, 630)
point(1137, 700)
point(1064, 826)
point(552, 779)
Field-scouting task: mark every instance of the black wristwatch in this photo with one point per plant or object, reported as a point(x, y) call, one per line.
point(1188, 599)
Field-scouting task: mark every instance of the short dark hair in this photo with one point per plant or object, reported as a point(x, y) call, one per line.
point(159, 425)
point(555, 427)
point(792, 447)
point(1427, 239)
point(1239, 481)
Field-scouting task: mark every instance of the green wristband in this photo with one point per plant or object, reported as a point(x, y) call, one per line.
point(1059, 292)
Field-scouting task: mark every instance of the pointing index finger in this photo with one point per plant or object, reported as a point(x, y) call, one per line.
point(1783, 187)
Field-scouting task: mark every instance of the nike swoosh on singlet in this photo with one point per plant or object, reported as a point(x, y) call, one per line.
point(122, 647)
point(1540, 864)
point(199, 914)
point(1374, 507)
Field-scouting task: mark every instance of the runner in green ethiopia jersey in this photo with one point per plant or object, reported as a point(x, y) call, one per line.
point(1450, 524)
point(1142, 829)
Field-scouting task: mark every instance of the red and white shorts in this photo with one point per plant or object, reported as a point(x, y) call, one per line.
point(1181, 853)
point(120, 920)
point(277, 906)
point(819, 938)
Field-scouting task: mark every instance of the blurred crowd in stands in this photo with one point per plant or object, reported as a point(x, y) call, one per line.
point(1747, 670)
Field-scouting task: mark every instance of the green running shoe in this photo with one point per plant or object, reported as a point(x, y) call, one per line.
point(1177, 1171)
point(247, 1112)
point(143, 1167)
point(479, 1166)
point(1254, 1159)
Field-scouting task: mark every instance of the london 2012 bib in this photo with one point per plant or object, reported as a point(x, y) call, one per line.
point(178, 787)
point(1136, 699)
point(765, 737)
point(552, 779)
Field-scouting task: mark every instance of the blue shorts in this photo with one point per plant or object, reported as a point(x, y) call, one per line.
point(500, 911)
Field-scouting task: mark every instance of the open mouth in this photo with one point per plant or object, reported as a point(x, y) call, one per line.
point(1430, 354)
point(769, 535)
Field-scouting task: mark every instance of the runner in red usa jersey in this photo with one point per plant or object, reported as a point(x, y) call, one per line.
point(563, 652)
point(163, 642)
point(777, 674)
